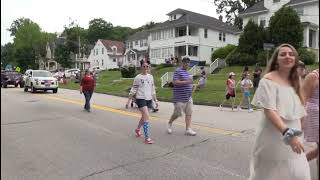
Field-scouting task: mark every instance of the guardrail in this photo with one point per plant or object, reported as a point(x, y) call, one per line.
point(217, 63)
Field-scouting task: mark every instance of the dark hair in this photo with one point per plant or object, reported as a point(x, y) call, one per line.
point(185, 60)
point(142, 62)
point(301, 64)
point(246, 68)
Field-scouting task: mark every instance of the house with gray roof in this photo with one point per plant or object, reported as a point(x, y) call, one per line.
point(136, 48)
point(191, 34)
point(308, 11)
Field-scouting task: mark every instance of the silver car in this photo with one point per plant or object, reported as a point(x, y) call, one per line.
point(40, 80)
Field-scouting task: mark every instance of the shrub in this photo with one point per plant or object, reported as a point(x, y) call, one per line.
point(307, 56)
point(113, 69)
point(223, 52)
point(128, 71)
point(262, 57)
point(238, 58)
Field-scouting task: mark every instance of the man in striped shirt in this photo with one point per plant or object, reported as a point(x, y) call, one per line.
point(182, 96)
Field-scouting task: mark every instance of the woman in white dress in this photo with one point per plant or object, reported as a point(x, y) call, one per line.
point(278, 152)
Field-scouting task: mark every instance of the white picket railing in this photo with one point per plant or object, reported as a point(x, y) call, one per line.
point(214, 65)
point(166, 78)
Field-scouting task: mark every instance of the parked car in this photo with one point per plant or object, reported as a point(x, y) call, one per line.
point(71, 73)
point(40, 80)
point(11, 78)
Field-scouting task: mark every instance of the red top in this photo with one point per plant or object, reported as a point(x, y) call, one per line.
point(231, 86)
point(88, 83)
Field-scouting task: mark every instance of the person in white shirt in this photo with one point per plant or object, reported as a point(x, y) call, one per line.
point(144, 90)
point(246, 84)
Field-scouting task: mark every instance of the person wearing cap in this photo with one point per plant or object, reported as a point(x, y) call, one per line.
point(231, 93)
point(182, 96)
point(87, 86)
point(246, 84)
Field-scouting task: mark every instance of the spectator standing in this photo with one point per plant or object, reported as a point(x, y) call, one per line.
point(182, 96)
point(256, 77)
point(278, 152)
point(87, 87)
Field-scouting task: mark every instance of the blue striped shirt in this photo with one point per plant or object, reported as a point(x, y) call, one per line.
point(181, 93)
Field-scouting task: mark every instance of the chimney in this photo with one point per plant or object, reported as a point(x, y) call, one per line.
point(220, 18)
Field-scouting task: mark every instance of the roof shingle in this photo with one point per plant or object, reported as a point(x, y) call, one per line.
point(108, 44)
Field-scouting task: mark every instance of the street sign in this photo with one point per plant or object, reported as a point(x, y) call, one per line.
point(268, 46)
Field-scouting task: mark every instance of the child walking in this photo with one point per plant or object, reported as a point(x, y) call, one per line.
point(231, 93)
point(246, 84)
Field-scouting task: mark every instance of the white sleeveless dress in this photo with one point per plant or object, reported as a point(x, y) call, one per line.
point(271, 158)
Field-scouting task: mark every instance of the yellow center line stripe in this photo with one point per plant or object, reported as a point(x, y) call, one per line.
point(133, 114)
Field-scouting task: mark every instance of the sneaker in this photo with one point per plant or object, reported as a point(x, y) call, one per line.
point(138, 133)
point(220, 107)
point(155, 110)
point(250, 110)
point(148, 141)
point(190, 132)
point(169, 128)
point(239, 108)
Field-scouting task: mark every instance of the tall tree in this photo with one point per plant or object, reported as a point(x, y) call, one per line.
point(121, 33)
point(62, 55)
point(251, 40)
point(99, 29)
point(16, 24)
point(285, 27)
point(27, 42)
point(231, 9)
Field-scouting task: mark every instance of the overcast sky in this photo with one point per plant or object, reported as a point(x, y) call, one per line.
point(53, 15)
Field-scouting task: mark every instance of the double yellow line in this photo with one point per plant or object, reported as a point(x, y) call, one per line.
point(133, 114)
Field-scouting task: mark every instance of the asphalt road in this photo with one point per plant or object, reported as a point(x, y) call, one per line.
point(47, 136)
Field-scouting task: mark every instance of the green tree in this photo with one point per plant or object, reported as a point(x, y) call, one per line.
point(16, 24)
point(99, 29)
point(252, 38)
point(231, 9)
point(285, 27)
point(62, 55)
point(222, 52)
point(121, 33)
point(28, 42)
point(7, 54)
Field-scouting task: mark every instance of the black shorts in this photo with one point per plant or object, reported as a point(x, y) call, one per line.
point(229, 95)
point(142, 102)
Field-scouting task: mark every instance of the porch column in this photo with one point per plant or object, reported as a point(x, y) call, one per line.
point(187, 50)
point(187, 29)
point(306, 36)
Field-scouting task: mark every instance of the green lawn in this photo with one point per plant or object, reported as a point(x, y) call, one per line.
point(212, 94)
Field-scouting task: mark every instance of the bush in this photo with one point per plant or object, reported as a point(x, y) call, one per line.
point(113, 69)
point(262, 57)
point(223, 52)
point(128, 71)
point(237, 58)
point(307, 56)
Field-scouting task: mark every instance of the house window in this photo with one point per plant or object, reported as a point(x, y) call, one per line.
point(224, 37)
point(114, 59)
point(220, 36)
point(102, 62)
point(131, 44)
point(174, 16)
point(94, 52)
point(136, 43)
point(262, 22)
point(205, 33)
point(145, 42)
point(212, 49)
point(102, 50)
point(141, 43)
point(114, 50)
point(193, 51)
point(97, 51)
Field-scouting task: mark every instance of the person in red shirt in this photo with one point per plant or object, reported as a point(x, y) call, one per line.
point(87, 87)
point(230, 90)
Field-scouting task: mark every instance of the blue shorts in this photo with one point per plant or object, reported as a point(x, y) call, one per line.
point(246, 94)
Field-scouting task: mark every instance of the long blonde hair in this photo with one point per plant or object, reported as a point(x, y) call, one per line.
point(294, 78)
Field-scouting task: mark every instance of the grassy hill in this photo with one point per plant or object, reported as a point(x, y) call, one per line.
point(109, 82)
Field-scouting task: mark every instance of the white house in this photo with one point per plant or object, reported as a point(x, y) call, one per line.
point(136, 48)
point(308, 10)
point(107, 54)
point(187, 33)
